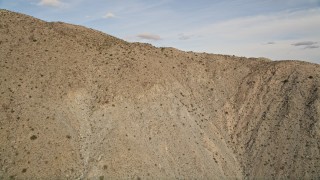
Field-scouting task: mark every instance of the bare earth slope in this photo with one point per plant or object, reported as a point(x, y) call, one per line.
point(77, 103)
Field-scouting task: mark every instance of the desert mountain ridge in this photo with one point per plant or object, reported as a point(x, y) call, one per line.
point(76, 103)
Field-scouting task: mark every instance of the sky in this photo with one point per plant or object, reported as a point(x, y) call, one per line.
point(275, 29)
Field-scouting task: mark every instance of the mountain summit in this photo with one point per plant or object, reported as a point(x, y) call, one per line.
point(76, 103)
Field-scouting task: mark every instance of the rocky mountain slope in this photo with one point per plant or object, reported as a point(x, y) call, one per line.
point(79, 104)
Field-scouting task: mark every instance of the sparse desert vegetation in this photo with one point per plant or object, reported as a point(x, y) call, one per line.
point(79, 104)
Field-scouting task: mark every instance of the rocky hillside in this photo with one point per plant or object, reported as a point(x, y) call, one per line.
point(79, 104)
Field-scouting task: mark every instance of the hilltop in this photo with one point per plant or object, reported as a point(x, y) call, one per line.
point(80, 104)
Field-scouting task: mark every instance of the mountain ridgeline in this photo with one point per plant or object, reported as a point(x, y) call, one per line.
point(76, 103)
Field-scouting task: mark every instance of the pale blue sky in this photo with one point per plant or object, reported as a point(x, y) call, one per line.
point(277, 29)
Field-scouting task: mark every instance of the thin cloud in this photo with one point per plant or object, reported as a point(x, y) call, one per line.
point(305, 23)
point(52, 3)
point(311, 47)
point(148, 36)
point(109, 15)
point(184, 37)
point(240, 36)
point(304, 43)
